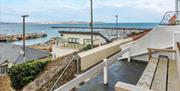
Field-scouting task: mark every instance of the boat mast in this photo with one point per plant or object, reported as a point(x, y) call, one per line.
point(91, 23)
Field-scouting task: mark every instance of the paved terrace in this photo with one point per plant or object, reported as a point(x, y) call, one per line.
point(120, 71)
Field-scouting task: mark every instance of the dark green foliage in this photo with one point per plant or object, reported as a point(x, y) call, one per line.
point(88, 47)
point(22, 74)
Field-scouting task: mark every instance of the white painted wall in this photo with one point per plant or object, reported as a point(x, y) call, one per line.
point(97, 38)
point(159, 37)
point(96, 55)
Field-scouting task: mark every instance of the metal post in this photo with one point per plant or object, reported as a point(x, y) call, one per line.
point(176, 5)
point(129, 56)
point(176, 8)
point(116, 25)
point(78, 65)
point(24, 27)
point(105, 72)
point(91, 24)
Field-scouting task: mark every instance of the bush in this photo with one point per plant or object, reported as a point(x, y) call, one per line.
point(22, 74)
point(88, 47)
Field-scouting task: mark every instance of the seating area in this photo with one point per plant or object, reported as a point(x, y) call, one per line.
point(161, 74)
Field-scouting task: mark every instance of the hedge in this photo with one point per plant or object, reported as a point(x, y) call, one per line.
point(22, 74)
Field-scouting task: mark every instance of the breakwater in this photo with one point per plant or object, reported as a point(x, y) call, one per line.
point(18, 37)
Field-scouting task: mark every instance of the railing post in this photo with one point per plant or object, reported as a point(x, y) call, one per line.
point(105, 72)
point(129, 55)
point(78, 64)
point(53, 55)
point(149, 54)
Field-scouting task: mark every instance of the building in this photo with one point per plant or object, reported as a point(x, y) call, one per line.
point(74, 41)
point(11, 54)
point(83, 38)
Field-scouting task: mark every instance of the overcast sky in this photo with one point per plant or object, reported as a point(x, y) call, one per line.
point(78, 10)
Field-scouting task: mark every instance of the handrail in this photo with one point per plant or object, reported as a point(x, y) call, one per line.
point(156, 49)
point(88, 74)
point(178, 46)
point(166, 14)
point(72, 59)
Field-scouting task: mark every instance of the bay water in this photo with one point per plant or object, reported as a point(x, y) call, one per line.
point(11, 29)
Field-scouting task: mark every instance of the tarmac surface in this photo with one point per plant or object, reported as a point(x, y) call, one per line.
point(120, 71)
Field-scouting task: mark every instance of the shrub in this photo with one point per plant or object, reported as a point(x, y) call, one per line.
point(88, 47)
point(22, 74)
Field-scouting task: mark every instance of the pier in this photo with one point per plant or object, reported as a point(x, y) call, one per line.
point(18, 37)
point(113, 28)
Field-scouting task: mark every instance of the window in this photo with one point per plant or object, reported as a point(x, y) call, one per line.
point(3, 69)
point(73, 40)
point(87, 41)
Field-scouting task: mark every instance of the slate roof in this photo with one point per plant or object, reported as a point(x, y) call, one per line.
point(11, 53)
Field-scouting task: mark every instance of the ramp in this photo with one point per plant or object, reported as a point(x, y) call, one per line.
point(159, 37)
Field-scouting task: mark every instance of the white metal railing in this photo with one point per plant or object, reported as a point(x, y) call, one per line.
point(88, 74)
point(170, 18)
point(63, 72)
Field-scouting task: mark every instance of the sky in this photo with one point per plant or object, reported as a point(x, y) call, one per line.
point(78, 10)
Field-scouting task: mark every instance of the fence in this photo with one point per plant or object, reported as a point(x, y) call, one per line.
point(96, 69)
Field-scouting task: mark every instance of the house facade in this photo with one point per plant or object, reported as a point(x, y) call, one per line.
point(83, 38)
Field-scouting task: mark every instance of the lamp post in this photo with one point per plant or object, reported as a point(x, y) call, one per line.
point(91, 23)
point(116, 16)
point(24, 27)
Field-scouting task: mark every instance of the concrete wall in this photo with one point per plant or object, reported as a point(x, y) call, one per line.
point(97, 38)
point(159, 37)
point(96, 55)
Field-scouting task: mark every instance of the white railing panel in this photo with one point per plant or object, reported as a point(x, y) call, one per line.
point(75, 82)
point(114, 58)
point(90, 73)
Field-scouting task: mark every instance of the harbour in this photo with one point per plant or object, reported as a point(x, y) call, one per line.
point(12, 29)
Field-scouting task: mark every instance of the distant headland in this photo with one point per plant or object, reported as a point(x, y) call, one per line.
point(71, 22)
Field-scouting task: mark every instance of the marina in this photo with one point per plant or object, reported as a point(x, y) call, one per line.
point(13, 29)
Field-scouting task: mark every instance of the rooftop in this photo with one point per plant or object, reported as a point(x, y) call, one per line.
point(11, 53)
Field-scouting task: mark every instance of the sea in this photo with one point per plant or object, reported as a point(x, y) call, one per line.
point(15, 28)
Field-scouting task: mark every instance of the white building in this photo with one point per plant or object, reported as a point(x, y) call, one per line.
point(83, 38)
